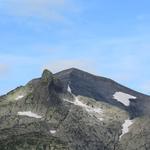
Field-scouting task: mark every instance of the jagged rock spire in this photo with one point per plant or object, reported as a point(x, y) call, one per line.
point(47, 76)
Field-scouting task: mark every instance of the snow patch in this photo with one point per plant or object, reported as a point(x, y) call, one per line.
point(123, 98)
point(52, 131)
point(125, 127)
point(19, 97)
point(29, 114)
point(101, 119)
point(85, 106)
point(66, 100)
point(79, 103)
point(69, 89)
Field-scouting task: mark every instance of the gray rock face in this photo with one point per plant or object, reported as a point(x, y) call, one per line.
point(103, 89)
point(73, 110)
point(47, 76)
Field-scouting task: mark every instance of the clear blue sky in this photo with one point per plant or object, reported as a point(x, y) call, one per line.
point(107, 37)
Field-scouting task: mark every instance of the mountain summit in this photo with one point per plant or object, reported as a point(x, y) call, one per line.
point(74, 110)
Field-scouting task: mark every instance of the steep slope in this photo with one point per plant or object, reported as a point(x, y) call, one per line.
point(106, 90)
point(74, 110)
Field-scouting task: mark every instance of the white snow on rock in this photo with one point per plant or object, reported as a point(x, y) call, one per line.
point(101, 119)
point(125, 127)
point(69, 89)
point(123, 98)
point(52, 131)
point(66, 100)
point(85, 106)
point(29, 114)
point(95, 110)
point(79, 103)
point(19, 97)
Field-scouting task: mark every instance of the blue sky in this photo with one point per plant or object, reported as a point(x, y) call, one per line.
point(110, 38)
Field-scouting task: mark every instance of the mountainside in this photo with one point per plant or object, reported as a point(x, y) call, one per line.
point(74, 110)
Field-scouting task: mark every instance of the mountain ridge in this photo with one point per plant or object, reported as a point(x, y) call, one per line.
point(103, 89)
point(70, 70)
point(74, 110)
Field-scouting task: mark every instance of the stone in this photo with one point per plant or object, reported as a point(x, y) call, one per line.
point(47, 76)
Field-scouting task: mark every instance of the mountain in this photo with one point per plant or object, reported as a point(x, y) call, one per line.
point(74, 110)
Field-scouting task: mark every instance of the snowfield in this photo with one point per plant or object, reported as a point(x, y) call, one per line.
point(69, 89)
point(52, 131)
point(29, 114)
point(19, 97)
point(123, 98)
point(125, 127)
point(88, 108)
point(83, 105)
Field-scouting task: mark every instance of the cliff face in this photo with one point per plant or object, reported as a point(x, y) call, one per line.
point(74, 110)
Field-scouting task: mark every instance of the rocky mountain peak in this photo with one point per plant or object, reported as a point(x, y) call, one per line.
point(74, 110)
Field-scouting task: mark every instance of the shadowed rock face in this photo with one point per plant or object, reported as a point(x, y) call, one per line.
point(73, 110)
point(103, 89)
point(45, 90)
